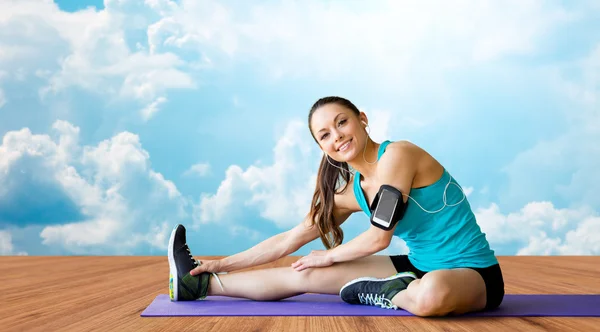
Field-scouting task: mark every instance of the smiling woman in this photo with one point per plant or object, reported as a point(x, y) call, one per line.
point(450, 269)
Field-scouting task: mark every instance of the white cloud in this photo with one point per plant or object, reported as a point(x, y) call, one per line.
point(325, 39)
point(200, 169)
point(583, 240)
point(104, 51)
point(407, 50)
point(89, 49)
point(149, 111)
point(6, 245)
point(541, 229)
point(281, 192)
point(123, 201)
point(82, 234)
point(68, 142)
point(540, 244)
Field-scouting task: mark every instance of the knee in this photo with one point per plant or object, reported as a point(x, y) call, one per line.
point(432, 298)
point(304, 278)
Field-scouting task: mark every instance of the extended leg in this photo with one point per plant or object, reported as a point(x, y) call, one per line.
point(283, 282)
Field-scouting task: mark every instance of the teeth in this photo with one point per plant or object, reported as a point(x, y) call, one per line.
point(344, 146)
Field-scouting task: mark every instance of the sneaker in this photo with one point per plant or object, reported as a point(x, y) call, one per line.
point(182, 285)
point(374, 291)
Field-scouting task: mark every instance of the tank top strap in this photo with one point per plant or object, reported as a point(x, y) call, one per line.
point(382, 149)
point(358, 192)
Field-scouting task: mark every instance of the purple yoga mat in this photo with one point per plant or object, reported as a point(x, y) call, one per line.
point(332, 305)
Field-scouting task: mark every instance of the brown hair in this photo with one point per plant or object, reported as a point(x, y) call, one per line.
point(328, 181)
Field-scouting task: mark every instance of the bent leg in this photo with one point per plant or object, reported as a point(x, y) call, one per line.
point(442, 292)
point(283, 282)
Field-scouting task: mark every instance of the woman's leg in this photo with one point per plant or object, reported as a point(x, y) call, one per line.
point(441, 292)
point(283, 282)
point(437, 293)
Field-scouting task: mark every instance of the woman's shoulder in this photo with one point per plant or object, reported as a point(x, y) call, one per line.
point(405, 154)
point(401, 146)
point(402, 151)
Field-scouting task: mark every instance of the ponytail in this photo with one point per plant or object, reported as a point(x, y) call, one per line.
point(322, 206)
point(328, 182)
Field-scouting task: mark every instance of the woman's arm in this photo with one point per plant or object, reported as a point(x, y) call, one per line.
point(397, 167)
point(367, 243)
point(271, 249)
point(288, 242)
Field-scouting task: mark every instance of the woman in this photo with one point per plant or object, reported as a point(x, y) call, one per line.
point(450, 268)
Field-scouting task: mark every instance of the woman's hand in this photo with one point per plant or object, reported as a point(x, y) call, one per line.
point(317, 258)
point(207, 266)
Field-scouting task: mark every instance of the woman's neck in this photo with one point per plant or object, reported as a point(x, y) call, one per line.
point(367, 169)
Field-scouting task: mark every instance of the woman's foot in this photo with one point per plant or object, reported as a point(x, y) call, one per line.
point(374, 291)
point(183, 286)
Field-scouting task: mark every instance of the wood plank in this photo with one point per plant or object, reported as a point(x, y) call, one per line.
point(87, 293)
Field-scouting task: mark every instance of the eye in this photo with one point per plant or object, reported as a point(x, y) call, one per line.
point(339, 123)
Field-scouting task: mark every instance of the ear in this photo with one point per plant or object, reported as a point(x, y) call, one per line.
point(363, 118)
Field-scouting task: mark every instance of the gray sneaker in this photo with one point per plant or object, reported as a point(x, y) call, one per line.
point(374, 291)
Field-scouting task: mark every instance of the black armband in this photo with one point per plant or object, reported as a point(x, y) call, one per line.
point(388, 207)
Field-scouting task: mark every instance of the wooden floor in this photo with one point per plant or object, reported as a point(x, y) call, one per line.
point(86, 293)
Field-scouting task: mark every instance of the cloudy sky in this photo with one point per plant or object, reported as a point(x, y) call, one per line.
point(122, 118)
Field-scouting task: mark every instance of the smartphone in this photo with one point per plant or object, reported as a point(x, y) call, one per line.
point(384, 211)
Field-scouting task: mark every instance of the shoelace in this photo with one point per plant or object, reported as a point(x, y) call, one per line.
point(198, 263)
point(376, 299)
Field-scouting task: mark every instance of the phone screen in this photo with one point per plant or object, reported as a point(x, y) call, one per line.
point(387, 204)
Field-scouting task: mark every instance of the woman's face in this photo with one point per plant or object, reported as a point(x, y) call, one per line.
point(333, 126)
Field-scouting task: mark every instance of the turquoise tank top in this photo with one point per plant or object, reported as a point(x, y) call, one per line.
point(447, 239)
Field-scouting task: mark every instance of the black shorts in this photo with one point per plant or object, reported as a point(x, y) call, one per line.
point(492, 276)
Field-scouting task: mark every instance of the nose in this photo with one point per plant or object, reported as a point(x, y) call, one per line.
point(338, 135)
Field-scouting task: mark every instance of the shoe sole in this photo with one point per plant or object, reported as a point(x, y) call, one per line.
point(173, 279)
point(395, 276)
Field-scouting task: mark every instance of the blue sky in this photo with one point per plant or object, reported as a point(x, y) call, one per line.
point(75, 5)
point(120, 119)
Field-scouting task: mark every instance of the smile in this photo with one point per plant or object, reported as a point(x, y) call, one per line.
point(345, 146)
